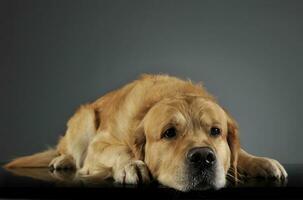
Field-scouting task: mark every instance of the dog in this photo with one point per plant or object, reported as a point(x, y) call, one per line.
point(157, 127)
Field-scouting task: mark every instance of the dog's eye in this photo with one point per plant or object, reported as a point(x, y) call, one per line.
point(214, 131)
point(169, 133)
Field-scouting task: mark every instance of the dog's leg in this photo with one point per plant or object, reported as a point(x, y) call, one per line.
point(253, 166)
point(73, 146)
point(119, 158)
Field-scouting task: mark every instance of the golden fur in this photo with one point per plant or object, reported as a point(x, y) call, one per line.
point(120, 134)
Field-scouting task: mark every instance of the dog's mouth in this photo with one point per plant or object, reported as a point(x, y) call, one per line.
point(205, 180)
point(202, 181)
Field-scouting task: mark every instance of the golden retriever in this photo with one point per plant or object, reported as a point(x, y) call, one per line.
point(157, 127)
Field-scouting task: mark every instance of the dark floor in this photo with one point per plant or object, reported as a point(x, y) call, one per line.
point(42, 183)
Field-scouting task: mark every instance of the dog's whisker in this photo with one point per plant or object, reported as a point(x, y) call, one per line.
point(231, 177)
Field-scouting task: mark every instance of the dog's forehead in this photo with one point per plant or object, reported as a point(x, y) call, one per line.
point(205, 105)
point(194, 107)
point(205, 110)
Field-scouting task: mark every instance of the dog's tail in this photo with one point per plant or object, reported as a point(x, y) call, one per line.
point(41, 159)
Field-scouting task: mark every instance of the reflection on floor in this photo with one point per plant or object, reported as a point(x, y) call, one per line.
point(69, 178)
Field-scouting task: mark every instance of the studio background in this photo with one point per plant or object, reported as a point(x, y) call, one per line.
point(56, 55)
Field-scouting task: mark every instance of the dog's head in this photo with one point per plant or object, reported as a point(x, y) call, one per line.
point(188, 142)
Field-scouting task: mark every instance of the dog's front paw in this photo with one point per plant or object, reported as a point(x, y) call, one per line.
point(264, 167)
point(132, 173)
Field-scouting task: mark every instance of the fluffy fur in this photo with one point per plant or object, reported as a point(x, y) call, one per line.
point(120, 135)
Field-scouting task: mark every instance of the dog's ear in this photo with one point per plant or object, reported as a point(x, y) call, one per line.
point(138, 142)
point(234, 143)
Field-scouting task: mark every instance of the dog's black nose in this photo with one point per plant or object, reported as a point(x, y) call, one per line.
point(202, 156)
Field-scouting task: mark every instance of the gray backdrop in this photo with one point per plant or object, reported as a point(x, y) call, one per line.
point(56, 55)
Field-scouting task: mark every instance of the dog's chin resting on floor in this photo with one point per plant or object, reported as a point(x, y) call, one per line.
point(156, 127)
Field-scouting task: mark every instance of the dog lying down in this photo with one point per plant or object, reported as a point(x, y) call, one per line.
point(157, 127)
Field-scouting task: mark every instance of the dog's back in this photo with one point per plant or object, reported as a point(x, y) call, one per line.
point(116, 111)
